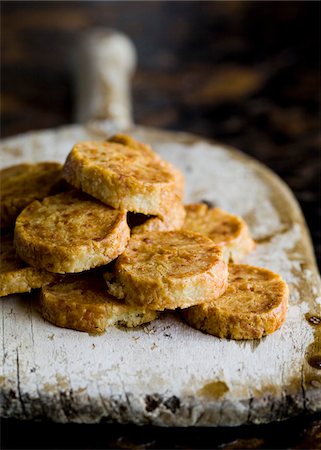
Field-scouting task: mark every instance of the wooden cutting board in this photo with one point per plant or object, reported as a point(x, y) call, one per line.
point(167, 373)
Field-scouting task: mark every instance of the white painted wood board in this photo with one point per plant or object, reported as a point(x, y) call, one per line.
point(167, 373)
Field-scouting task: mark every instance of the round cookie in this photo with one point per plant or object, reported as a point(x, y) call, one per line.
point(81, 302)
point(222, 228)
point(22, 184)
point(168, 270)
point(15, 276)
point(254, 305)
point(124, 176)
point(131, 142)
point(70, 232)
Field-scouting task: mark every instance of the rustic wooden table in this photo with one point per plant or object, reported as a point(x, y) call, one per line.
point(244, 73)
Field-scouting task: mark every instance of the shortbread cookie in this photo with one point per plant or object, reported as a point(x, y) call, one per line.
point(81, 302)
point(123, 176)
point(254, 304)
point(70, 232)
point(24, 183)
point(223, 228)
point(143, 148)
point(179, 184)
point(173, 220)
point(15, 276)
point(174, 269)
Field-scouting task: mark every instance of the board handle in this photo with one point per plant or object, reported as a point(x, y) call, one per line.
point(105, 63)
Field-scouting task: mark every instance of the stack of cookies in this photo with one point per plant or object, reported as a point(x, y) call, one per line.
point(113, 244)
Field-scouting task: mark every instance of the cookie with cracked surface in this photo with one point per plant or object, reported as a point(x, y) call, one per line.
point(15, 276)
point(124, 176)
point(70, 232)
point(254, 305)
point(22, 184)
point(168, 270)
point(224, 229)
point(81, 302)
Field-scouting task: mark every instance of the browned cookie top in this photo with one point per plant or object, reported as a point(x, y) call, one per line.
point(22, 184)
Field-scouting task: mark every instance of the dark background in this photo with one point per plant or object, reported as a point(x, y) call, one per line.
point(244, 73)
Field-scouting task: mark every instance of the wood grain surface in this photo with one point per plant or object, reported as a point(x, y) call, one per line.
point(188, 52)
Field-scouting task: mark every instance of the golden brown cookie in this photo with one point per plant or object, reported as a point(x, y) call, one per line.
point(172, 220)
point(70, 232)
point(132, 143)
point(122, 176)
point(222, 228)
point(24, 183)
point(254, 304)
point(81, 302)
point(15, 276)
point(174, 269)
